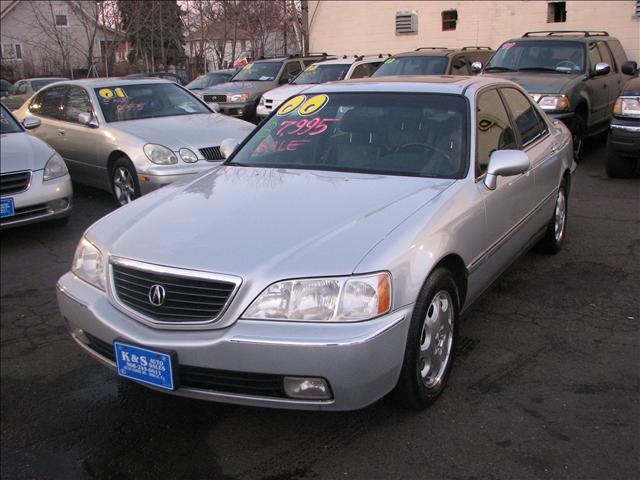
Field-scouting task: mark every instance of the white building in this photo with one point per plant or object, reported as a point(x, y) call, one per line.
point(51, 36)
point(396, 26)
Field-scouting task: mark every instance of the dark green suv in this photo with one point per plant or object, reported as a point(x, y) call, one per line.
point(575, 76)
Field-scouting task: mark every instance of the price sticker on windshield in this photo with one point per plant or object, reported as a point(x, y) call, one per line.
point(390, 60)
point(108, 93)
point(311, 68)
point(305, 106)
point(291, 105)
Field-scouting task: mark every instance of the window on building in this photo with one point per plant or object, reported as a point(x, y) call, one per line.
point(556, 12)
point(12, 51)
point(61, 21)
point(449, 20)
point(637, 9)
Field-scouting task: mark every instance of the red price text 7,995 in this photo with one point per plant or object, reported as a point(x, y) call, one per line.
point(314, 126)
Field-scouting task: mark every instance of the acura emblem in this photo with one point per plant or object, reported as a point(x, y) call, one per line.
point(157, 295)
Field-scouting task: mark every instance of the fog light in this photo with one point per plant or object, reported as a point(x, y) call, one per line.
point(59, 204)
point(307, 388)
point(240, 112)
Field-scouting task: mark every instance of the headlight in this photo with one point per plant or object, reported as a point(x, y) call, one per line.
point(87, 264)
point(188, 156)
point(159, 154)
point(54, 168)
point(627, 107)
point(551, 102)
point(239, 97)
point(338, 299)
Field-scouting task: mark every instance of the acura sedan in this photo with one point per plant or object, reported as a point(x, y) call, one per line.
point(34, 182)
point(130, 136)
point(328, 261)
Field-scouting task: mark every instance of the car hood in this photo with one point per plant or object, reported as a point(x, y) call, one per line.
point(21, 151)
point(231, 88)
point(197, 131)
point(266, 223)
point(286, 91)
point(539, 82)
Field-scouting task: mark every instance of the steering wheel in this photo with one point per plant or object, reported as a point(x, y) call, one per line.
point(425, 146)
point(567, 64)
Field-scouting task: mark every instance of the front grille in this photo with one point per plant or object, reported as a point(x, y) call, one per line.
point(215, 98)
point(14, 182)
point(261, 384)
point(186, 299)
point(212, 153)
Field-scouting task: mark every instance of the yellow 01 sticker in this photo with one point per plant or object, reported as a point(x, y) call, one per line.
point(313, 105)
point(106, 93)
point(291, 105)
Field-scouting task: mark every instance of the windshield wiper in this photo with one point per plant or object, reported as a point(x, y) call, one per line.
point(539, 69)
point(495, 67)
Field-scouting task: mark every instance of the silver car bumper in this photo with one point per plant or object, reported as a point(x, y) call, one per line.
point(360, 361)
point(41, 201)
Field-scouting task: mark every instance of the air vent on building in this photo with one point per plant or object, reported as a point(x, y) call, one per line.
point(637, 14)
point(406, 22)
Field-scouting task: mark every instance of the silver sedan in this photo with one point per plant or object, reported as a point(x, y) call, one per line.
point(130, 136)
point(34, 181)
point(328, 261)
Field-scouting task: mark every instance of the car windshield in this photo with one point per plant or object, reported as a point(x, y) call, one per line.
point(413, 134)
point(261, 71)
point(318, 73)
point(426, 65)
point(204, 81)
point(38, 84)
point(558, 56)
point(8, 124)
point(147, 100)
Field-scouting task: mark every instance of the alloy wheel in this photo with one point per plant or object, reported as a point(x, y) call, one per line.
point(123, 185)
point(436, 339)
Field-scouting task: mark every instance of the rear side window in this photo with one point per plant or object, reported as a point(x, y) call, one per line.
point(493, 129)
point(49, 103)
point(618, 52)
point(528, 121)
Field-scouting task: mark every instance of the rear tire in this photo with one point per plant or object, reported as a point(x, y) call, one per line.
point(124, 182)
point(618, 166)
point(553, 239)
point(431, 342)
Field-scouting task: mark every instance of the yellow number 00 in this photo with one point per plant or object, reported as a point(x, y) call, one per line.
point(313, 104)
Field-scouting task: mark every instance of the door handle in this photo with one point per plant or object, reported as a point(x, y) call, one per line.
point(60, 131)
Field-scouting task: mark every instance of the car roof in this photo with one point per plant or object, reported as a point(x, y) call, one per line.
point(354, 59)
point(571, 35)
point(418, 84)
point(111, 81)
point(42, 78)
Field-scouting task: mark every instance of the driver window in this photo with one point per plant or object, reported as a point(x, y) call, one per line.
point(459, 66)
point(606, 56)
point(21, 89)
point(493, 129)
point(291, 69)
point(77, 102)
point(594, 56)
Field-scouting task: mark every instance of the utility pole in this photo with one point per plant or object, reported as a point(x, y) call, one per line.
point(304, 5)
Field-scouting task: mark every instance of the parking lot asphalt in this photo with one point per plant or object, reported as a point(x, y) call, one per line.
point(546, 383)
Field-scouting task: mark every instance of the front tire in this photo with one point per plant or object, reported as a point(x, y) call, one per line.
point(124, 182)
point(431, 341)
point(553, 239)
point(618, 166)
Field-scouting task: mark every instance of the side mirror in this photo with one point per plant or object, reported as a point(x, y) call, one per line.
point(601, 69)
point(629, 68)
point(86, 118)
point(228, 146)
point(505, 163)
point(476, 67)
point(31, 122)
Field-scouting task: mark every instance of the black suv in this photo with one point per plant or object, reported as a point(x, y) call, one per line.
point(575, 76)
point(623, 142)
point(435, 61)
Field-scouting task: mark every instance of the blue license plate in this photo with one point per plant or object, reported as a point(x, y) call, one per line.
point(6, 207)
point(144, 365)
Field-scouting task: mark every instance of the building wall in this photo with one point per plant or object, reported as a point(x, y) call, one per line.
point(41, 53)
point(368, 27)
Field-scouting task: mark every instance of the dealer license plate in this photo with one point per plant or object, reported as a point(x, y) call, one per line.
point(6, 207)
point(144, 365)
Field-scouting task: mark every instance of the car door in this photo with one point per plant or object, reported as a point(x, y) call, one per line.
point(508, 204)
point(542, 150)
point(613, 78)
point(80, 144)
point(48, 106)
point(598, 87)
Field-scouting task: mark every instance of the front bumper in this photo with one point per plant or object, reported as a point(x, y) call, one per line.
point(238, 110)
point(157, 176)
point(360, 361)
point(42, 201)
point(624, 137)
point(265, 109)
